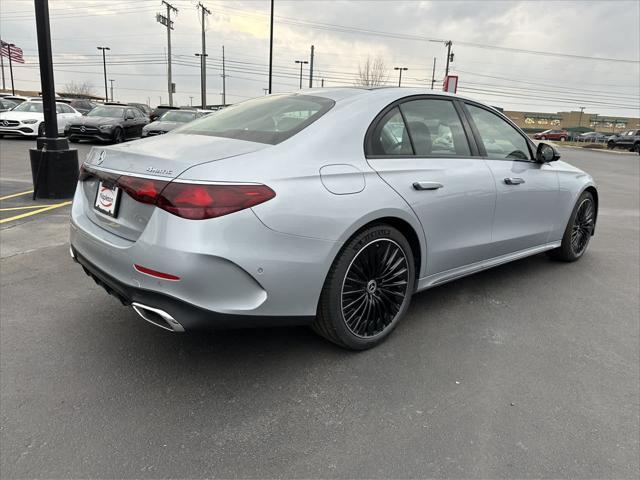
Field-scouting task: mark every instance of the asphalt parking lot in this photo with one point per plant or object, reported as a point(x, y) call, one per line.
point(527, 370)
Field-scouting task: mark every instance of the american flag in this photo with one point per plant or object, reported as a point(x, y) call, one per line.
point(16, 53)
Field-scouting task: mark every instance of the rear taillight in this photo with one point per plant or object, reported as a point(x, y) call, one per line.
point(144, 190)
point(198, 201)
point(194, 201)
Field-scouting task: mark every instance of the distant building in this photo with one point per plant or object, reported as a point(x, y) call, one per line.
point(539, 121)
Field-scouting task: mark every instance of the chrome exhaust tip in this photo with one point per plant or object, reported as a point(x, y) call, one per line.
point(157, 317)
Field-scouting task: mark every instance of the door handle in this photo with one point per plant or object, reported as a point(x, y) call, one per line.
point(513, 180)
point(427, 185)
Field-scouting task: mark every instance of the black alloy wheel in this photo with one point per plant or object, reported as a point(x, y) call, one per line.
point(579, 230)
point(368, 288)
point(118, 135)
point(374, 288)
point(582, 228)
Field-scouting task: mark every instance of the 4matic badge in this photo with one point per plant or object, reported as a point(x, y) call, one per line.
point(159, 171)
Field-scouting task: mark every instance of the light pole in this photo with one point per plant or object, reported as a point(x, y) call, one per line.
point(271, 47)
point(111, 82)
point(203, 87)
point(104, 66)
point(191, 101)
point(301, 62)
point(581, 112)
point(400, 77)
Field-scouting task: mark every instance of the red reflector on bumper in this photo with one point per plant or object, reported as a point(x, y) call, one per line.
point(155, 273)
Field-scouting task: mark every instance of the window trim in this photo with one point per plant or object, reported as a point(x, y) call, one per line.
point(478, 138)
point(368, 137)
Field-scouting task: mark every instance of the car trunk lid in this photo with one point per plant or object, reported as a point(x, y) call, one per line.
point(160, 159)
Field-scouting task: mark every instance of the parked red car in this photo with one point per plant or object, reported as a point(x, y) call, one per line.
point(561, 135)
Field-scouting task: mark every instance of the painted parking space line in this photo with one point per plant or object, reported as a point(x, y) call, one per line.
point(30, 207)
point(35, 212)
point(6, 197)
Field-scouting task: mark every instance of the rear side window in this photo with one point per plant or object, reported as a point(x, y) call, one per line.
point(500, 139)
point(435, 128)
point(390, 136)
point(271, 119)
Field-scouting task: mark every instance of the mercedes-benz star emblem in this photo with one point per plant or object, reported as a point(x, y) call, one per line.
point(101, 157)
point(5, 123)
point(82, 129)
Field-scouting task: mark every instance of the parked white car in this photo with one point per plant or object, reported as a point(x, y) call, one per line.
point(27, 119)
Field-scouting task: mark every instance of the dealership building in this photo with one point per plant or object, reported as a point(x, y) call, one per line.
point(539, 121)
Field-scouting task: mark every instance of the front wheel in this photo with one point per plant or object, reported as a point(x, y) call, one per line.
point(636, 148)
point(563, 139)
point(118, 136)
point(579, 230)
point(543, 138)
point(611, 145)
point(368, 289)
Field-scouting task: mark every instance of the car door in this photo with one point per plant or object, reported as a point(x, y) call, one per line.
point(527, 191)
point(421, 148)
point(141, 121)
point(130, 126)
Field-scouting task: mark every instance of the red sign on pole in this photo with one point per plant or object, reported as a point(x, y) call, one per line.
point(450, 84)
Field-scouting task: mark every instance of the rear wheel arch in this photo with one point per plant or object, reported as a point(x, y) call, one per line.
point(403, 227)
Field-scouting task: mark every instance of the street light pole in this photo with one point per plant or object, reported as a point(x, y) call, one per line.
point(271, 48)
point(104, 66)
point(301, 62)
point(400, 77)
point(54, 167)
point(433, 74)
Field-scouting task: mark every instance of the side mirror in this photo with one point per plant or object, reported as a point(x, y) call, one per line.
point(546, 153)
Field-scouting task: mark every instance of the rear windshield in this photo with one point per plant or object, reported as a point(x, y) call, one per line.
point(178, 116)
point(270, 119)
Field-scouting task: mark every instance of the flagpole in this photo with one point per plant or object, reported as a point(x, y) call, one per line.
point(4, 86)
point(13, 90)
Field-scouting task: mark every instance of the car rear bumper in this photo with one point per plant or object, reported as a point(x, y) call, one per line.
point(181, 315)
point(233, 270)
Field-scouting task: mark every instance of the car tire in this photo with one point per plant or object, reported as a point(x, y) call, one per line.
point(543, 138)
point(636, 148)
point(118, 135)
point(578, 231)
point(359, 306)
point(611, 145)
point(563, 139)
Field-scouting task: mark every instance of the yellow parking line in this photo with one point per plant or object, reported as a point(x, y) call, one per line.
point(35, 212)
point(9, 209)
point(15, 195)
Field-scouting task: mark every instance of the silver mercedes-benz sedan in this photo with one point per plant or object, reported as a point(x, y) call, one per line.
point(328, 207)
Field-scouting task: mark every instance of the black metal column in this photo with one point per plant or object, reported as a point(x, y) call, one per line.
point(54, 167)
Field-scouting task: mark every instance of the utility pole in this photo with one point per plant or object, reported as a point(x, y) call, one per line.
point(301, 62)
point(449, 57)
point(203, 88)
point(311, 68)
point(271, 48)
point(203, 56)
point(581, 111)
point(433, 74)
point(104, 67)
point(401, 69)
point(322, 83)
point(167, 22)
point(224, 84)
point(111, 81)
point(191, 101)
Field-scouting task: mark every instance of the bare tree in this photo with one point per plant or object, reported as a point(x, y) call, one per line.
point(78, 89)
point(372, 73)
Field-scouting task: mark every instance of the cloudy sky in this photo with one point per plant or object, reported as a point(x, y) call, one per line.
point(533, 56)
